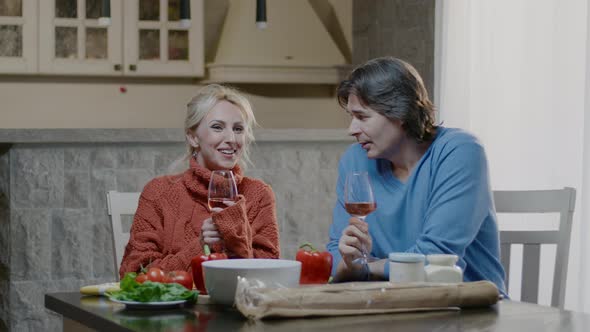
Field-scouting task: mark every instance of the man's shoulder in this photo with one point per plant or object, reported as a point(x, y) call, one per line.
point(458, 147)
point(455, 136)
point(456, 141)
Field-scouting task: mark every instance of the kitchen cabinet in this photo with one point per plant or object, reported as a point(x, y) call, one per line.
point(72, 42)
point(18, 36)
point(156, 43)
point(144, 38)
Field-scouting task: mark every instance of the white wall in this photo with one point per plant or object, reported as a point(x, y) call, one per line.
point(513, 72)
point(584, 234)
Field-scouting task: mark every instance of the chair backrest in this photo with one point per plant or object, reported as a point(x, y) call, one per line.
point(120, 204)
point(538, 201)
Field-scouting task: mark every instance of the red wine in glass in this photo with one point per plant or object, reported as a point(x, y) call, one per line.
point(222, 187)
point(359, 202)
point(219, 203)
point(361, 209)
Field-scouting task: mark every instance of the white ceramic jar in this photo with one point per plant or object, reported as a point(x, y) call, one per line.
point(442, 268)
point(406, 267)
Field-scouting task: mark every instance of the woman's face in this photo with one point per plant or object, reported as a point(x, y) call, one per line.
point(380, 136)
point(220, 136)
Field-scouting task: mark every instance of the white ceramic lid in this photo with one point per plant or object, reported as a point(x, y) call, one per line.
point(406, 257)
point(442, 259)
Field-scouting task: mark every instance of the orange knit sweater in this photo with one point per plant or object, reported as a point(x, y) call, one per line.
point(167, 225)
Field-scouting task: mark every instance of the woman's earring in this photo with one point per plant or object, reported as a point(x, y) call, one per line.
point(195, 152)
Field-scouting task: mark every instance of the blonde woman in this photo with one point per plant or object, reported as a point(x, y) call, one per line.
point(173, 221)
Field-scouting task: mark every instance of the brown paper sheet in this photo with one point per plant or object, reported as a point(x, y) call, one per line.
point(359, 298)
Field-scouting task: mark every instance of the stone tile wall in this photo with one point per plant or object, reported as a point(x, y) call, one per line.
point(55, 234)
point(4, 236)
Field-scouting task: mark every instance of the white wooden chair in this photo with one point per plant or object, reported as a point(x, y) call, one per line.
point(538, 201)
point(119, 204)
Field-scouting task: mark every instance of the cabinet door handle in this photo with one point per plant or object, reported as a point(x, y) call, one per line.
point(117, 67)
point(133, 67)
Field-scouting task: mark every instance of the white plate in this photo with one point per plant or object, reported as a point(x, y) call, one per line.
point(150, 305)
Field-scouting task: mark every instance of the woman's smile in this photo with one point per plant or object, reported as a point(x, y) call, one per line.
point(228, 153)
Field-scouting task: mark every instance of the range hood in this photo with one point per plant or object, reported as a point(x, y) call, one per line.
point(302, 44)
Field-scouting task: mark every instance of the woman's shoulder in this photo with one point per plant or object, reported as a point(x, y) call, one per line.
point(160, 185)
point(256, 190)
point(250, 184)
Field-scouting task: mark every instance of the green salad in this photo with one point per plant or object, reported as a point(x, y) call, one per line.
point(149, 291)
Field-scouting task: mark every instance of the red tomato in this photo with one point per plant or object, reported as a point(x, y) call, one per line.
point(180, 277)
point(155, 274)
point(141, 278)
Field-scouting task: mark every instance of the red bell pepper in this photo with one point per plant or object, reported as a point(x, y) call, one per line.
point(198, 275)
point(316, 266)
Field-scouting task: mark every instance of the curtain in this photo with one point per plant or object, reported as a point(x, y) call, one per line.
point(515, 73)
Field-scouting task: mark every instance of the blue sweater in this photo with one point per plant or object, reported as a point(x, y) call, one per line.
point(445, 206)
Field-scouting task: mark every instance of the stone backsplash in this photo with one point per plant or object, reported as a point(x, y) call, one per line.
point(55, 233)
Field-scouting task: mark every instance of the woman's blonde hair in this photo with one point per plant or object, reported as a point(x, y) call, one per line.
point(201, 104)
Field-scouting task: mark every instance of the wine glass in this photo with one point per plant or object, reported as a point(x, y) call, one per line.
point(222, 188)
point(359, 202)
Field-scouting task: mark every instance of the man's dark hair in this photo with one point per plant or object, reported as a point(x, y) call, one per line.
point(393, 88)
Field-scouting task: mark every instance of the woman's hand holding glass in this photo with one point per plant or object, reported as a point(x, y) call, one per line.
point(223, 193)
point(209, 230)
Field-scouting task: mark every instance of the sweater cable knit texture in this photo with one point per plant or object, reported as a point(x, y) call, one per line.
point(166, 230)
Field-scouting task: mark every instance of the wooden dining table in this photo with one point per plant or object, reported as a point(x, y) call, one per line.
point(82, 313)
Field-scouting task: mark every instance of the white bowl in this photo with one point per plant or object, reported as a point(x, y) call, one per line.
point(221, 276)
